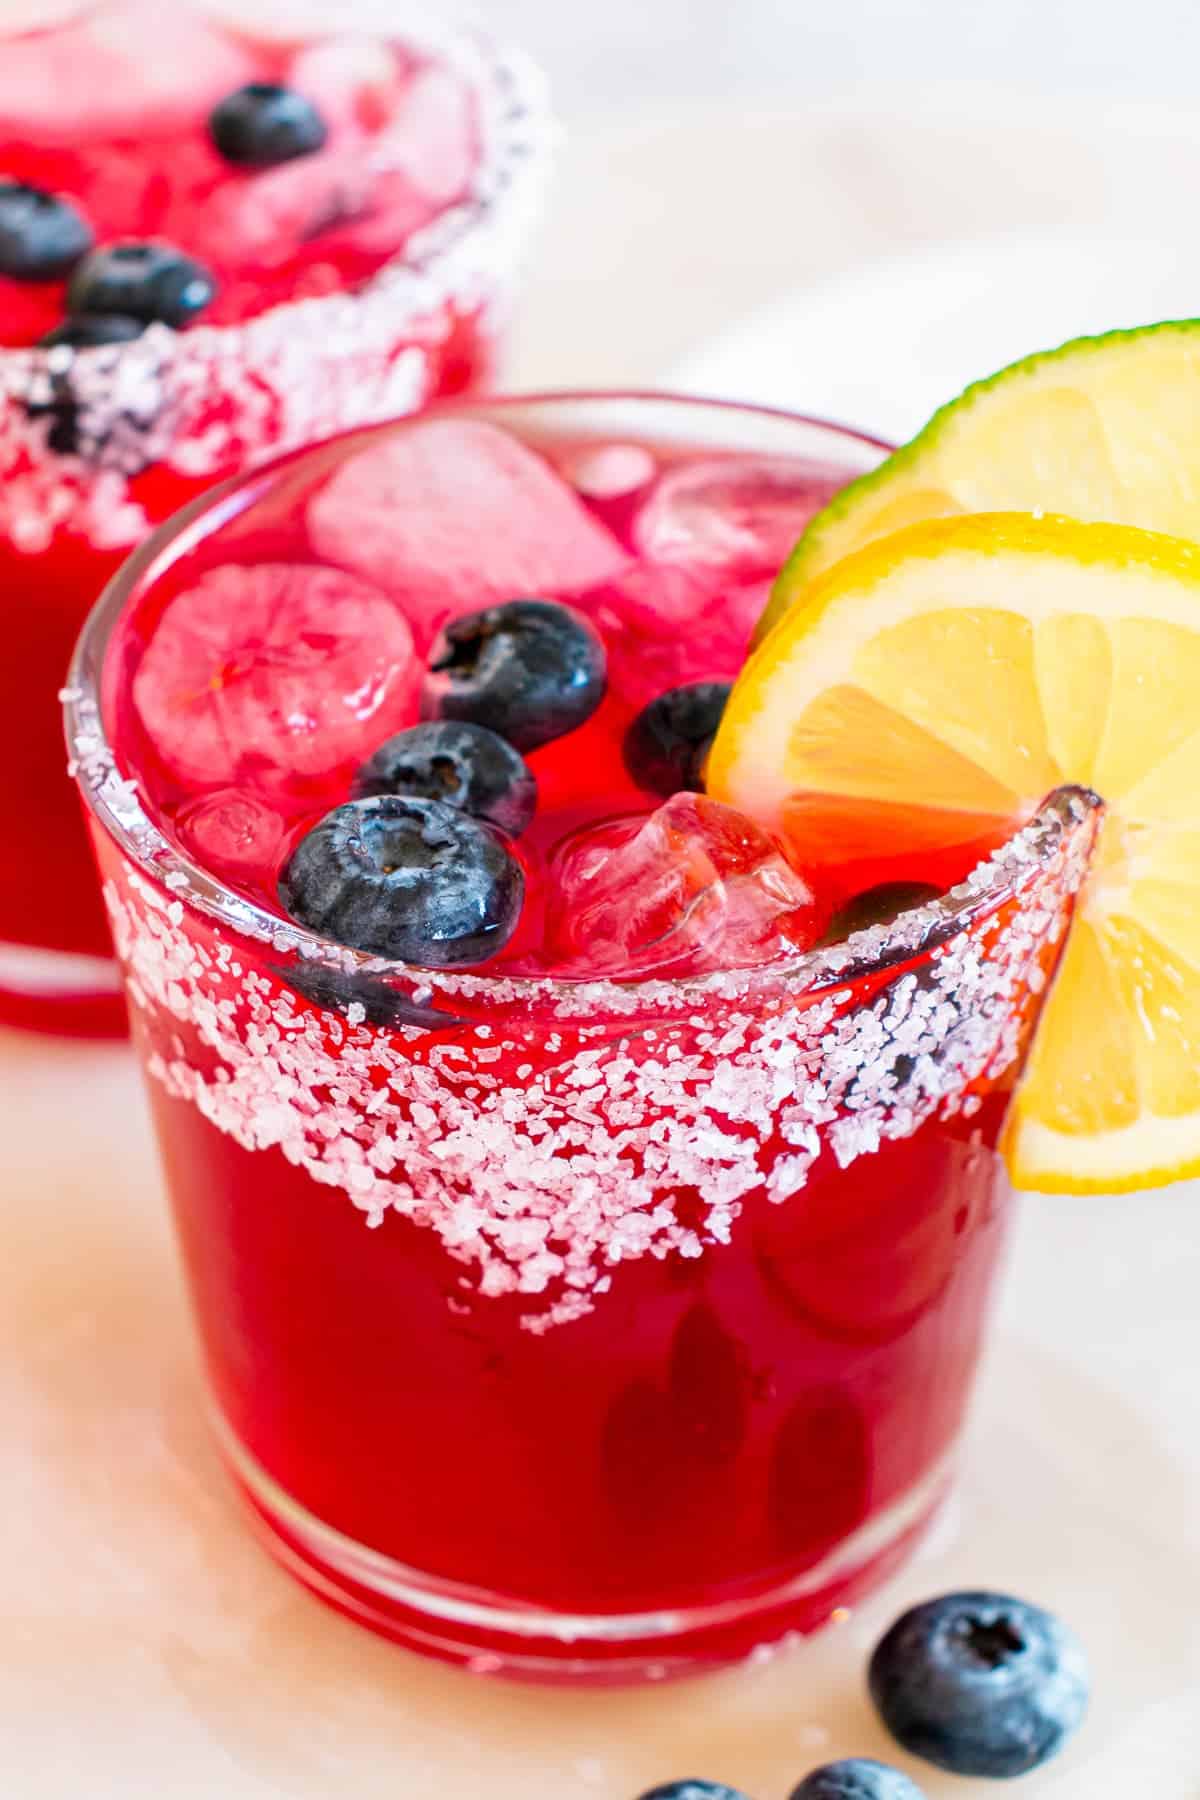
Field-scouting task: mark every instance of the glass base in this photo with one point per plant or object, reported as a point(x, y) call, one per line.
point(55, 991)
point(489, 1636)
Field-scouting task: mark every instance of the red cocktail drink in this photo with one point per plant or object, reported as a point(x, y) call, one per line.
point(607, 1301)
point(217, 242)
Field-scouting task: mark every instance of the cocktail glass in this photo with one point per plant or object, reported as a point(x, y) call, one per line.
point(599, 1328)
point(97, 445)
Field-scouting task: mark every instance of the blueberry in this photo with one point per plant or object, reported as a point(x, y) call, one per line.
point(667, 743)
point(880, 905)
point(41, 236)
point(529, 670)
point(693, 1790)
point(141, 281)
point(265, 123)
point(88, 330)
point(409, 879)
point(857, 1778)
point(465, 765)
point(378, 1004)
point(980, 1684)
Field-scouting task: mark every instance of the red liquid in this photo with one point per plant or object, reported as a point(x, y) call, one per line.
point(255, 375)
point(662, 1341)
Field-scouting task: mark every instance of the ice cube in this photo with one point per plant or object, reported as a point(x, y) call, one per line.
point(432, 135)
point(695, 886)
point(742, 514)
point(610, 471)
point(294, 23)
point(274, 673)
point(455, 514)
point(666, 625)
point(116, 71)
point(231, 832)
point(332, 199)
point(352, 81)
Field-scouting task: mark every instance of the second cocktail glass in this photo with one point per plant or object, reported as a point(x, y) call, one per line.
point(352, 283)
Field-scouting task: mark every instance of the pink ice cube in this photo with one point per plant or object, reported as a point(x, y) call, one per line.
point(432, 135)
point(694, 887)
point(272, 673)
point(353, 82)
point(454, 514)
point(264, 219)
point(127, 71)
point(742, 514)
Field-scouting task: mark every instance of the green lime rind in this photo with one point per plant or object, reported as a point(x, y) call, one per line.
point(826, 539)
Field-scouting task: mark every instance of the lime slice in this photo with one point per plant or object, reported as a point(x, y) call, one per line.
point(933, 687)
point(1105, 428)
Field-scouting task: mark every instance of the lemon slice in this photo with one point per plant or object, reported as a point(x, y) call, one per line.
point(1103, 428)
point(933, 687)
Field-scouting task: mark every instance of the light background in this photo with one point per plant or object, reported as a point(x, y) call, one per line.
point(890, 187)
point(609, 53)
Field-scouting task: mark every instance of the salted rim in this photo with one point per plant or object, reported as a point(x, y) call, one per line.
point(515, 127)
point(115, 802)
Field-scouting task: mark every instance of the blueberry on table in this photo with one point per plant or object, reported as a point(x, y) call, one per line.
point(465, 765)
point(86, 331)
point(265, 123)
point(42, 236)
point(980, 1683)
point(410, 879)
point(148, 281)
point(693, 1790)
point(857, 1778)
point(667, 743)
point(530, 670)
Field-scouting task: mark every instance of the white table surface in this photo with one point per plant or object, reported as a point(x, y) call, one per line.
point(148, 1648)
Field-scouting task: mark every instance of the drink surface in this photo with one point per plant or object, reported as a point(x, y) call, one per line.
point(116, 113)
point(683, 1229)
point(214, 245)
point(269, 666)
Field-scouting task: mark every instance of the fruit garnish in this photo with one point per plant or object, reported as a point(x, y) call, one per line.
point(667, 743)
point(465, 765)
point(415, 880)
point(980, 1683)
point(530, 670)
point(41, 235)
point(1103, 428)
point(265, 123)
point(690, 1788)
point(88, 331)
point(925, 695)
point(154, 282)
point(857, 1778)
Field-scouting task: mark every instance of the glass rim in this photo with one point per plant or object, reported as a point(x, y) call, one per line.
point(435, 262)
point(114, 802)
